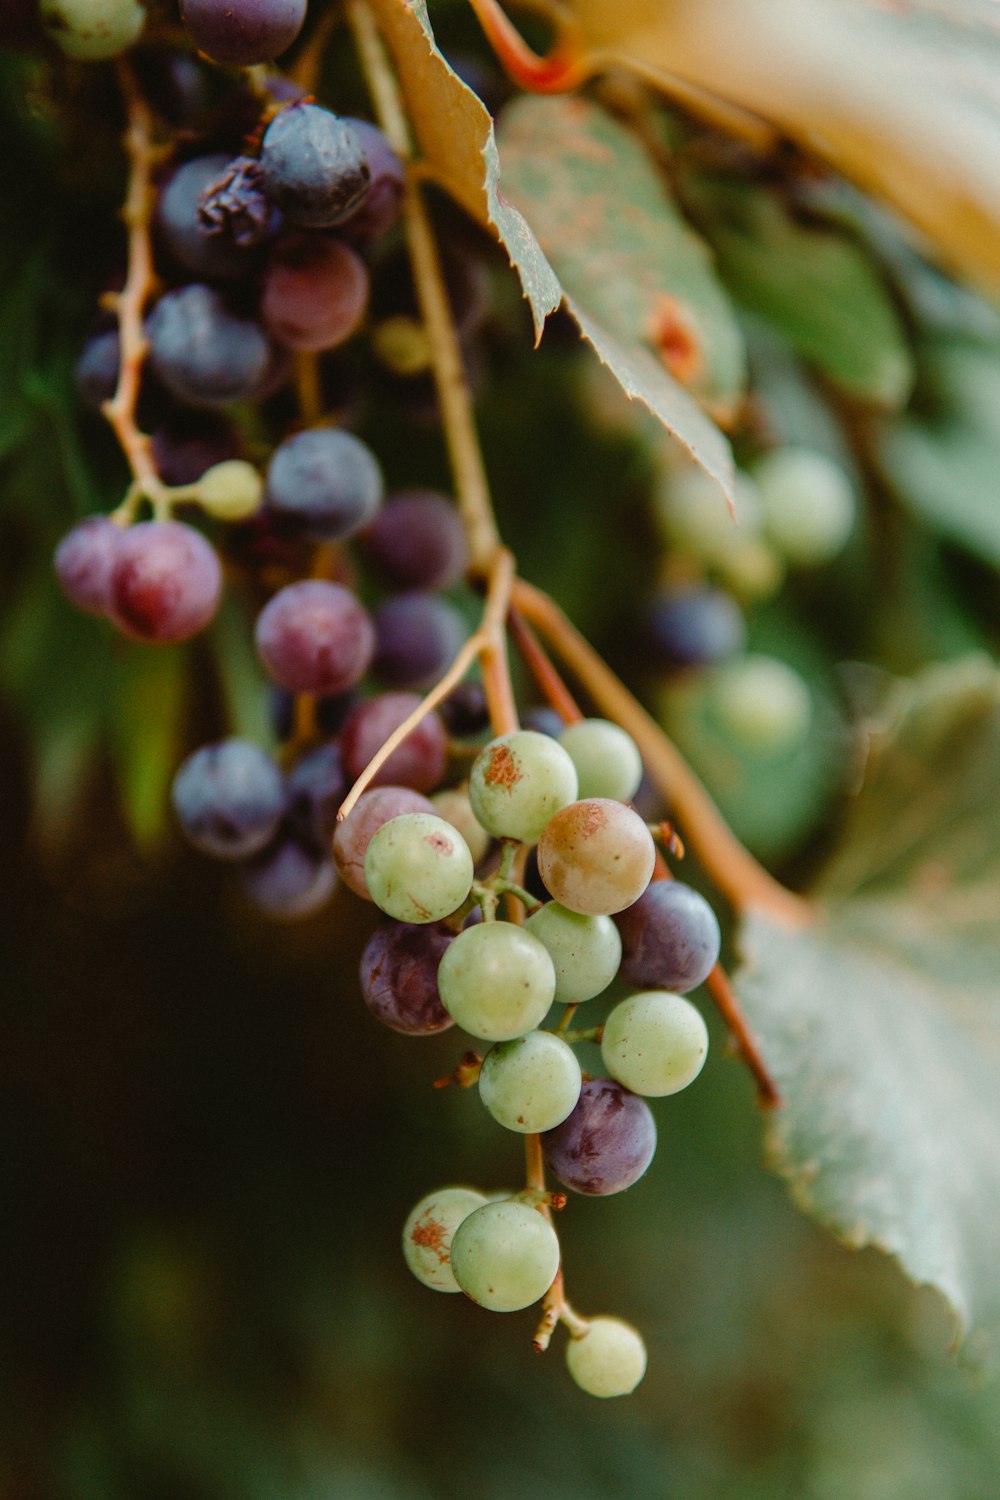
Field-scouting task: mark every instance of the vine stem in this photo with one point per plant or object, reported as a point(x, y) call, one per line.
point(542, 670)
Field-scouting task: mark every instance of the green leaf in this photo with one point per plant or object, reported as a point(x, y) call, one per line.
point(881, 1020)
point(146, 733)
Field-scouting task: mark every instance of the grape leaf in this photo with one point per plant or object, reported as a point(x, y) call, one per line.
point(881, 1020)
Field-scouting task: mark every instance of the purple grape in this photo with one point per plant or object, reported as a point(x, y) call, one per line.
point(244, 32)
point(229, 799)
point(314, 166)
point(83, 563)
point(96, 371)
point(465, 711)
point(352, 837)
point(234, 209)
point(696, 627)
point(670, 938)
point(398, 974)
point(381, 208)
point(288, 881)
point(326, 481)
point(178, 220)
point(417, 541)
point(165, 582)
point(418, 762)
point(607, 1142)
point(544, 720)
point(315, 637)
point(316, 788)
point(417, 637)
point(203, 353)
point(315, 293)
point(183, 450)
point(175, 85)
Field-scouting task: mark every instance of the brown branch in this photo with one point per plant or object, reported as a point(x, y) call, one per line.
point(541, 668)
point(721, 990)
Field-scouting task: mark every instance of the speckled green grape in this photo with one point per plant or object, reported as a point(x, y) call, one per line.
point(585, 951)
point(607, 760)
point(762, 704)
point(497, 981)
point(518, 781)
point(655, 1043)
point(809, 504)
point(93, 29)
point(418, 868)
point(427, 1234)
point(609, 1359)
point(230, 491)
point(532, 1083)
point(505, 1256)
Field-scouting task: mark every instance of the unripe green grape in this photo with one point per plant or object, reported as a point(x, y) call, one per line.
point(607, 760)
point(585, 951)
point(655, 1043)
point(230, 491)
point(761, 703)
point(531, 1083)
point(427, 1234)
point(518, 781)
point(809, 504)
point(418, 868)
point(93, 29)
point(754, 571)
point(454, 806)
point(609, 1359)
point(497, 981)
point(505, 1256)
point(695, 518)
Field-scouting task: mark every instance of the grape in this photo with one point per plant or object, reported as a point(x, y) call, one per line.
point(83, 563)
point(497, 980)
point(165, 582)
point(316, 788)
point(762, 704)
point(381, 208)
point(399, 977)
point(754, 571)
point(179, 223)
point(93, 29)
point(417, 637)
point(809, 504)
point(530, 1083)
point(417, 541)
point(596, 856)
point(418, 868)
point(454, 806)
point(545, 720)
point(518, 781)
point(670, 938)
point(96, 371)
point(314, 166)
point(244, 32)
point(465, 711)
point(418, 762)
point(695, 627)
point(606, 1144)
point(187, 448)
point(234, 210)
point(655, 1043)
point(288, 881)
point(326, 481)
point(175, 84)
point(585, 951)
point(427, 1235)
point(505, 1256)
point(696, 518)
point(231, 491)
point(371, 811)
point(607, 760)
point(315, 637)
point(229, 799)
point(608, 1359)
point(203, 353)
point(315, 293)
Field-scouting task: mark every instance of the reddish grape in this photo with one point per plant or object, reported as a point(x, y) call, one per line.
point(352, 837)
point(607, 1142)
point(596, 856)
point(315, 637)
point(165, 582)
point(83, 562)
point(315, 293)
point(418, 762)
point(399, 977)
point(417, 541)
point(416, 639)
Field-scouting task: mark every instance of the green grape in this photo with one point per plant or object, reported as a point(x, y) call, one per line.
point(596, 856)
point(761, 703)
point(531, 1083)
point(418, 868)
point(695, 517)
point(454, 806)
point(607, 760)
point(609, 1359)
point(497, 981)
point(428, 1231)
point(655, 1043)
point(753, 571)
point(505, 1256)
point(809, 504)
point(518, 781)
point(585, 951)
point(230, 491)
point(93, 29)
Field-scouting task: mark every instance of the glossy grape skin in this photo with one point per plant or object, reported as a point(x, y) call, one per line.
point(606, 1144)
point(596, 856)
point(371, 811)
point(229, 799)
point(670, 938)
point(165, 582)
point(315, 293)
point(314, 166)
point(234, 210)
point(418, 868)
point(417, 541)
point(518, 781)
point(243, 32)
point(585, 951)
point(398, 975)
point(497, 980)
point(607, 760)
point(418, 762)
point(288, 881)
point(762, 704)
point(417, 637)
point(316, 788)
point(315, 637)
point(84, 560)
point(204, 354)
point(695, 627)
point(428, 1233)
point(454, 806)
point(325, 481)
point(531, 1083)
point(654, 1043)
point(608, 1359)
point(96, 370)
point(382, 206)
point(810, 506)
point(93, 29)
point(505, 1256)
point(179, 224)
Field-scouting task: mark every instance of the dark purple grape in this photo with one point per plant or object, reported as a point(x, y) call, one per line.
point(96, 370)
point(178, 221)
point(203, 353)
point(287, 880)
point(84, 560)
point(352, 837)
point(326, 481)
point(670, 938)
point(165, 582)
point(314, 165)
point(187, 447)
point(316, 788)
point(381, 208)
point(315, 293)
point(417, 541)
point(465, 711)
point(315, 637)
point(234, 209)
point(398, 974)
point(695, 627)
point(416, 639)
point(418, 762)
point(229, 799)
point(607, 1142)
point(544, 720)
point(244, 32)
point(175, 84)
